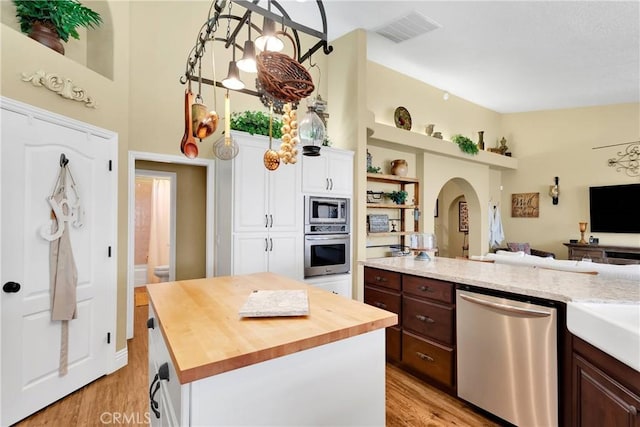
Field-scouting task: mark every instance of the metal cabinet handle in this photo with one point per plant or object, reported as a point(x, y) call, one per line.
point(425, 319)
point(380, 279)
point(424, 357)
point(271, 218)
point(266, 245)
point(271, 244)
point(507, 308)
point(327, 187)
point(425, 288)
point(266, 221)
point(380, 304)
point(331, 181)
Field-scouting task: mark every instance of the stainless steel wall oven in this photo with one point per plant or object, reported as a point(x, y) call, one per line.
point(327, 240)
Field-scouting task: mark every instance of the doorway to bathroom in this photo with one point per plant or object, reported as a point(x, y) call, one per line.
point(155, 227)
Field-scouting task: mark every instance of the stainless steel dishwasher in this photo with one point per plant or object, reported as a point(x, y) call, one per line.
point(507, 358)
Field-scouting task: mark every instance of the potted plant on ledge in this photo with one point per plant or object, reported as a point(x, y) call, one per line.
point(49, 21)
point(398, 197)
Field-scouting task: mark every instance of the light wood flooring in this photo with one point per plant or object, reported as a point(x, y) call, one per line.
point(410, 402)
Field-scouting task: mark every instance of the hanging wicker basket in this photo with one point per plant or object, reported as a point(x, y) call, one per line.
point(282, 76)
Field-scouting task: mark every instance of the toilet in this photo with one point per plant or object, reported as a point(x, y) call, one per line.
point(162, 272)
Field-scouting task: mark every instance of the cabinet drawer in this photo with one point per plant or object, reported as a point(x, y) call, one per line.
point(394, 343)
point(382, 299)
point(428, 288)
point(429, 319)
point(435, 361)
point(384, 278)
point(587, 253)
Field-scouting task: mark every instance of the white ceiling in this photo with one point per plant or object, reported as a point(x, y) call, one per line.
point(508, 56)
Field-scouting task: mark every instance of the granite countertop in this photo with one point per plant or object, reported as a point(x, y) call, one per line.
point(524, 280)
point(206, 335)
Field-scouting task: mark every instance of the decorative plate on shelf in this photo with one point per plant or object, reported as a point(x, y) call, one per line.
point(402, 118)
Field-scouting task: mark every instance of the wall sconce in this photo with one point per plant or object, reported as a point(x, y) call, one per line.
point(554, 191)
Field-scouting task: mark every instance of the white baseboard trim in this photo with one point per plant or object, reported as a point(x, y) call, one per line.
point(121, 359)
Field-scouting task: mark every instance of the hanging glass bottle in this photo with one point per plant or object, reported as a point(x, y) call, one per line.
point(311, 132)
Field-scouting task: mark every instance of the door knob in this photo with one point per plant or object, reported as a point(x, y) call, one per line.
point(11, 287)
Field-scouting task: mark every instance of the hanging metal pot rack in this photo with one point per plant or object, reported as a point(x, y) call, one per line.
point(218, 17)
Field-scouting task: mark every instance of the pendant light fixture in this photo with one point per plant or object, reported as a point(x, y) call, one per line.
point(232, 81)
point(268, 40)
point(248, 61)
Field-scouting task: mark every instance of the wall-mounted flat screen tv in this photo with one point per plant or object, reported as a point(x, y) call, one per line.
point(614, 208)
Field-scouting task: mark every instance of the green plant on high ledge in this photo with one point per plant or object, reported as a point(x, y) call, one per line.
point(61, 16)
point(465, 144)
point(398, 197)
point(255, 122)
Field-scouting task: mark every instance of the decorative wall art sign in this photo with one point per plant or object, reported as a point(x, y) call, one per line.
point(463, 217)
point(525, 205)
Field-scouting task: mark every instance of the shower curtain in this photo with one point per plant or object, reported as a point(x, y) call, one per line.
point(159, 241)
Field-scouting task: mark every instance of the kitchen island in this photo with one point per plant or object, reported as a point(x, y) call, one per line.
point(325, 368)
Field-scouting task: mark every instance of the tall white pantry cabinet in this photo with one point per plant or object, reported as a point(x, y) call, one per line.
point(259, 213)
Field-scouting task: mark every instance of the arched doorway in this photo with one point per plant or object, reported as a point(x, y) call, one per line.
point(458, 220)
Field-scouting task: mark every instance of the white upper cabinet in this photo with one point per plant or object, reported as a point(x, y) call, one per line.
point(330, 173)
point(264, 200)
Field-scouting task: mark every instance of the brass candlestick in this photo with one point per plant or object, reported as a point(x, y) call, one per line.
point(583, 228)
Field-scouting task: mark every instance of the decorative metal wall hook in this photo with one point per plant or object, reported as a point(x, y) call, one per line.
point(63, 160)
point(627, 160)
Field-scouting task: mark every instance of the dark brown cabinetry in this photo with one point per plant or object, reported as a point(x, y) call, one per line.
point(382, 289)
point(424, 339)
point(604, 254)
point(605, 392)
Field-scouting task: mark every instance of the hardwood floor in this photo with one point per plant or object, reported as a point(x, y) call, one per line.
point(121, 398)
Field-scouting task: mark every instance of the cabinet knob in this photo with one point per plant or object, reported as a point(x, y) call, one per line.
point(151, 324)
point(380, 304)
point(424, 356)
point(380, 279)
point(425, 288)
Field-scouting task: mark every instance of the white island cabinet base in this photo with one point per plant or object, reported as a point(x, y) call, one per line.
point(336, 384)
point(340, 383)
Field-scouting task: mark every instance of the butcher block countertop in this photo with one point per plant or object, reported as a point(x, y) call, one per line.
point(556, 285)
point(205, 335)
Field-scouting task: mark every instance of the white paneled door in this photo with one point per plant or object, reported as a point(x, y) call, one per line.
point(32, 143)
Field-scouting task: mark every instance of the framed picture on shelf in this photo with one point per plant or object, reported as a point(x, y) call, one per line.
point(463, 217)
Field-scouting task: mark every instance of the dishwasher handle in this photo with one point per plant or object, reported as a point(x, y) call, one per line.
point(507, 308)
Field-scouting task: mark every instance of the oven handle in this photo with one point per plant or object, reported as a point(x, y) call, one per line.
point(336, 237)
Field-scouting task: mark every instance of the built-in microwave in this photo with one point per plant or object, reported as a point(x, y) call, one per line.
point(325, 210)
point(327, 254)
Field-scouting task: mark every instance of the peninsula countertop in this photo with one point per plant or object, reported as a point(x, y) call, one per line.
point(531, 281)
point(205, 335)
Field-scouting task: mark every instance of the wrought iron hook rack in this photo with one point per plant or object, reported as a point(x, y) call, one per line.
point(212, 25)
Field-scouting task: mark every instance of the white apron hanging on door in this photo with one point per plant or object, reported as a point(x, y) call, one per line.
point(32, 141)
point(66, 210)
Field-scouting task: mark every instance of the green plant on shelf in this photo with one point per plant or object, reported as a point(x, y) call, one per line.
point(256, 122)
point(465, 144)
point(398, 197)
point(61, 16)
point(373, 169)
